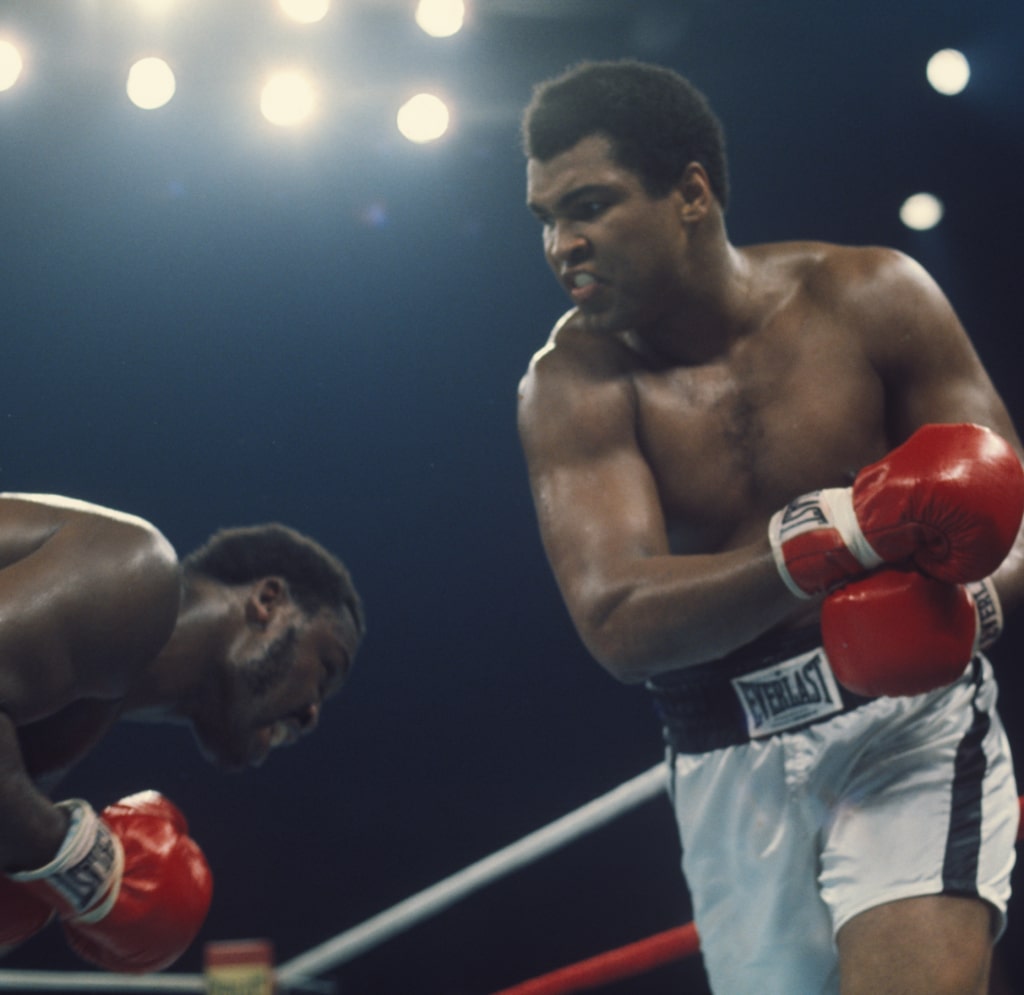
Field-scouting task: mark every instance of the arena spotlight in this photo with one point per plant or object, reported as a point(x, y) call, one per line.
point(922, 211)
point(150, 83)
point(155, 7)
point(305, 11)
point(948, 71)
point(441, 18)
point(423, 118)
point(10, 64)
point(288, 99)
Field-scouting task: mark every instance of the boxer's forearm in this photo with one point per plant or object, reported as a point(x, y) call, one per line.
point(31, 826)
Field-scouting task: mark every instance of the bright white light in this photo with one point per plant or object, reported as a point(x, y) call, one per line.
point(10, 65)
point(305, 11)
point(288, 99)
point(150, 83)
point(424, 118)
point(948, 71)
point(440, 18)
point(155, 6)
point(921, 211)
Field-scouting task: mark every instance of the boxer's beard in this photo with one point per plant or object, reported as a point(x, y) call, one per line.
point(269, 669)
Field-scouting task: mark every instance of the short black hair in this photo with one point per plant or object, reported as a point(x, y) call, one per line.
point(316, 578)
point(656, 120)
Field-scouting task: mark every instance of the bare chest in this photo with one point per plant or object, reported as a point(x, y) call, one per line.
point(730, 442)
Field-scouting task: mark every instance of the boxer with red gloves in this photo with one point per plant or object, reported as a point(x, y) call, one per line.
point(850, 834)
point(244, 640)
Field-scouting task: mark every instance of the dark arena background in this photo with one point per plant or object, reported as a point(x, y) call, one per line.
point(247, 304)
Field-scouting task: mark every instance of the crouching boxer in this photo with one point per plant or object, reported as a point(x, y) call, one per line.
point(245, 639)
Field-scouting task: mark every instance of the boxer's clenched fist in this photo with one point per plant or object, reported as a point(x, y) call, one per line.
point(948, 501)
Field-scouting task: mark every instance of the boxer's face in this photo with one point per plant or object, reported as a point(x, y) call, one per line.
point(275, 694)
point(616, 250)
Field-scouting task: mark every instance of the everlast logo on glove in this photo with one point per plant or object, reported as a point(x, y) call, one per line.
point(990, 614)
point(788, 695)
point(86, 867)
point(82, 883)
point(802, 514)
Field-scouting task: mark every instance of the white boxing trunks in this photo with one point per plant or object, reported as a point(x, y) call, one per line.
point(800, 806)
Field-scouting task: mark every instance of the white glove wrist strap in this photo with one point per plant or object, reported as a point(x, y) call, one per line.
point(86, 870)
point(838, 501)
point(989, 611)
point(824, 511)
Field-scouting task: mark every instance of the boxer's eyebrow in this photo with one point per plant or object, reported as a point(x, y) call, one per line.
point(588, 191)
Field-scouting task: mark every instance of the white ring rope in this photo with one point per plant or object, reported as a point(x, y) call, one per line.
point(97, 981)
point(298, 972)
point(386, 924)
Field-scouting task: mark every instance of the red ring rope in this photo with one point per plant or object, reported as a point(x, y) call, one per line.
point(632, 959)
point(623, 962)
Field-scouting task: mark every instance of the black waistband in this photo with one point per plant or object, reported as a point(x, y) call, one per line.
point(700, 708)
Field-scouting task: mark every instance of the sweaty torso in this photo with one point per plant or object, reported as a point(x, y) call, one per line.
point(791, 405)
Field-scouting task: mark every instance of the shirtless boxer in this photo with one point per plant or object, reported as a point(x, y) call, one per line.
point(244, 640)
point(679, 427)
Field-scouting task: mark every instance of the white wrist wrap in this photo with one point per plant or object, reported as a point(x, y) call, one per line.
point(989, 611)
point(839, 501)
point(85, 874)
point(774, 537)
point(826, 511)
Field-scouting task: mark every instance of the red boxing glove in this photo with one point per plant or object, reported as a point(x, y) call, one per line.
point(901, 633)
point(131, 887)
point(948, 501)
point(22, 915)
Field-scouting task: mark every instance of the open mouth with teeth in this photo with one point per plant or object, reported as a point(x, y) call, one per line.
point(582, 286)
